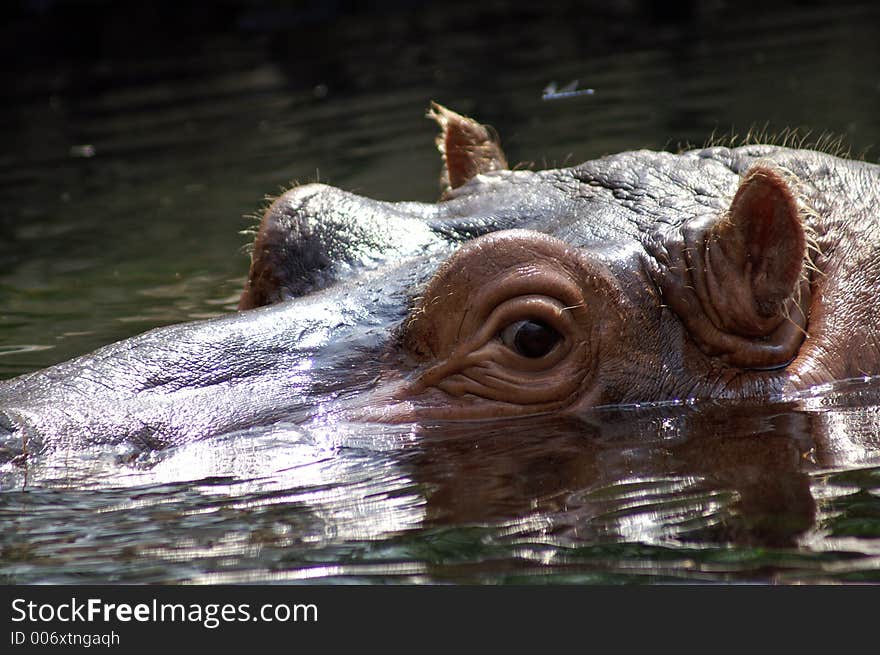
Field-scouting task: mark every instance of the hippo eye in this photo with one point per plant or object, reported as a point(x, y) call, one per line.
point(530, 338)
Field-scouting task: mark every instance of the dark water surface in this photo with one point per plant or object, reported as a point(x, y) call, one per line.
point(136, 142)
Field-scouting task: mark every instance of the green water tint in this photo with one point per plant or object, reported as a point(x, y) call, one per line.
point(127, 175)
point(538, 501)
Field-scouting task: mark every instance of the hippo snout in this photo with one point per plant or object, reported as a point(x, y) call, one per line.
point(10, 446)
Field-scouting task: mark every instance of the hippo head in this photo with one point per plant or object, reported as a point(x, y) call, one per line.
point(639, 277)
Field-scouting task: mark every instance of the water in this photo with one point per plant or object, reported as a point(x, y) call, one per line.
point(130, 165)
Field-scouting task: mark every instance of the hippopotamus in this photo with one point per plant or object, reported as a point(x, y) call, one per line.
point(734, 273)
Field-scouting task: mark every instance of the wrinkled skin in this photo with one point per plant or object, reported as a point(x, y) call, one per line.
point(735, 273)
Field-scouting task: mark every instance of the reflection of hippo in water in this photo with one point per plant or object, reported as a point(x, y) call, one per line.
point(644, 276)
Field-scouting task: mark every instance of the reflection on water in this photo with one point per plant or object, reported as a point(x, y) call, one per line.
point(128, 172)
point(778, 492)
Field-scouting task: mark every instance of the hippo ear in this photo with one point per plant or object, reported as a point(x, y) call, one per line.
point(741, 289)
point(468, 148)
point(755, 255)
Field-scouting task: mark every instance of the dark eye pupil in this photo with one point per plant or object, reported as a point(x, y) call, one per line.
point(534, 339)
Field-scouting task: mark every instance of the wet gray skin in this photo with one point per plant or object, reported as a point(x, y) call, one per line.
point(348, 299)
point(195, 380)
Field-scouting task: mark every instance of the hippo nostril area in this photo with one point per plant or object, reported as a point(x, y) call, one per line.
point(12, 441)
point(7, 426)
